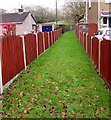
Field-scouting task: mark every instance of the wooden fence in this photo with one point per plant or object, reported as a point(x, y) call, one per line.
point(18, 52)
point(99, 51)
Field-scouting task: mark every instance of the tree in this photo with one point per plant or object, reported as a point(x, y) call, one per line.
point(42, 14)
point(73, 10)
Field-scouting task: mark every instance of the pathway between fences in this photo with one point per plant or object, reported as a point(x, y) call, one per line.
point(61, 83)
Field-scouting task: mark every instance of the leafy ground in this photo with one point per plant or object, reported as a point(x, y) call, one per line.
point(61, 83)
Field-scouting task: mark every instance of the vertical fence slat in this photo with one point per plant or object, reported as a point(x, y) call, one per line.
point(40, 43)
point(1, 84)
point(30, 48)
point(46, 40)
point(95, 51)
point(104, 59)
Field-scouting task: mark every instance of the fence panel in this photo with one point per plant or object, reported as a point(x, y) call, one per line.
point(109, 80)
point(84, 41)
point(92, 28)
point(53, 37)
point(89, 45)
point(12, 57)
point(40, 43)
point(95, 51)
point(50, 38)
point(104, 59)
point(46, 40)
point(30, 48)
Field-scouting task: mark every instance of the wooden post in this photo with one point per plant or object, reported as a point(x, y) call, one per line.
point(91, 46)
point(1, 82)
point(37, 44)
point(24, 53)
point(99, 58)
point(48, 40)
point(86, 43)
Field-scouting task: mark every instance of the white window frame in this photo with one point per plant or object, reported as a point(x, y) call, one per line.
point(107, 22)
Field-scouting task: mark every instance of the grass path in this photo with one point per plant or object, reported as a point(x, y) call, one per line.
point(61, 83)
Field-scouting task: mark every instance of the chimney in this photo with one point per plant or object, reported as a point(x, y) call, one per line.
point(20, 10)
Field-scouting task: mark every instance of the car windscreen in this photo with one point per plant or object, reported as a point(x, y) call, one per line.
point(100, 32)
point(108, 32)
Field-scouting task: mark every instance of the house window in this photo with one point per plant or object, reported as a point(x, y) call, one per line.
point(109, 21)
point(105, 20)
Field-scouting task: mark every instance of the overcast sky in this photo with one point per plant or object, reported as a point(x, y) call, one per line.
point(11, 4)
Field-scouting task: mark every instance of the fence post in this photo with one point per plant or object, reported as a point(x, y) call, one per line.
point(91, 46)
point(79, 35)
point(54, 36)
point(43, 40)
point(1, 84)
point(99, 57)
point(51, 38)
point(24, 52)
point(86, 43)
point(83, 38)
point(48, 39)
point(37, 44)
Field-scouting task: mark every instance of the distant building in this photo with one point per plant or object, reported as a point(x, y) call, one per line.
point(17, 23)
point(98, 11)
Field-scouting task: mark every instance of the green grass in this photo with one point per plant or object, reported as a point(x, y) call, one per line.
point(61, 83)
point(62, 22)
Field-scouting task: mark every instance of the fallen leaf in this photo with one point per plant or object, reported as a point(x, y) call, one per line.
point(21, 94)
point(64, 106)
point(8, 114)
point(63, 113)
point(62, 102)
point(67, 95)
point(19, 101)
point(9, 89)
point(101, 108)
point(76, 93)
point(43, 109)
point(72, 112)
point(57, 88)
point(39, 76)
point(26, 111)
point(19, 117)
point(42, 86)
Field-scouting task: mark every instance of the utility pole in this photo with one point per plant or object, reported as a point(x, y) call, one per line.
point(86, 11)
point(56, 13)
point(99, 9)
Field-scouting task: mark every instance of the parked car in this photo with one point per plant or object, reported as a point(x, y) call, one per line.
point(103, 34)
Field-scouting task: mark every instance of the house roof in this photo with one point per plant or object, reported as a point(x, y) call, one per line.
point(14, 17)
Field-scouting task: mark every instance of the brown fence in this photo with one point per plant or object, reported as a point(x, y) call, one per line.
point(17, 52)
point(30, 48)
point(12, 57)
point(99, 51)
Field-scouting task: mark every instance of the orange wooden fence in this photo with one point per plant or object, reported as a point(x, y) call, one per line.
point(30, 48)
point(99, 51)
point(17, 52)
point(12, 57)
